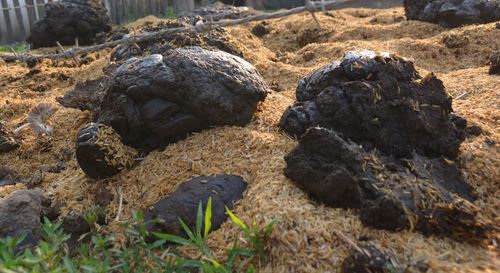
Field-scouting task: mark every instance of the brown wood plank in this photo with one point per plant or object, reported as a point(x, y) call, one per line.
point(132, 9)
point(112, 12)
point(123, 11)
point(40, 8)
point(147, 5)
point(126, 10)
point(183, 5)
point(21, 32)
point(119, 12)
point(8, 23)
point(142, 12)
point(163, 7)
point(31, 11)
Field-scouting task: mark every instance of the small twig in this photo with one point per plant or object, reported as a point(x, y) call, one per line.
point(60, 47)
point(71, 53)
point(348, 241)
point(311, 8)
point(21, 85)
point(461, 95)
point(20, 128)
point(120, 205)
point(18, 56)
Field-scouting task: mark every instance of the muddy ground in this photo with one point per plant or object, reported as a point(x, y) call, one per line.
point(304, 239)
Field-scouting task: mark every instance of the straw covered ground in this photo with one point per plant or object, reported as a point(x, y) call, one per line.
point(304, 239)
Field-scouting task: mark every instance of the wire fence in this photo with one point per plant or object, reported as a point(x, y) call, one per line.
point(311, 7)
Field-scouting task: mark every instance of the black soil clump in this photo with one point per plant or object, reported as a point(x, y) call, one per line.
point(159, 99)
point(217, 11)
point(217, 38)
point(453, 13)
point(495, 63)
point(7, 140)
point(370, 259)
point(419, 193)
point(224, 190)
point(261, 29)
point(100, 153)
point(7, 176)
point(214, 39)
point(20, 215)
point(387, 144)
point(87, 95)
point(69, 20)
point(366, 260)
point(379, 102)
point(156, 100)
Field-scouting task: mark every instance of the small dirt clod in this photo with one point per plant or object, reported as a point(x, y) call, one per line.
point(224, 190)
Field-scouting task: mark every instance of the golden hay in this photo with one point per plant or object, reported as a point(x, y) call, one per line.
point(304, 239)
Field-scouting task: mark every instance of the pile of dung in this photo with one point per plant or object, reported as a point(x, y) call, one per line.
point(453, 13)
point(69, 20)
point(214, 39)
point(305, 238)
point(217, 11)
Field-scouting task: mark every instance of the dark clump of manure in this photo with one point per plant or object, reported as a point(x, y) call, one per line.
point(152, 101)
point(69, 20)
point(375, 136)
point(217, 11)
point(217, 38)
point(214, 39)
point(378, 101)
point(223, 190)
point(453, 13)
point(495, 63)
point(7, 140)
point(261, 29)
point(370, 259)
point(20, 216)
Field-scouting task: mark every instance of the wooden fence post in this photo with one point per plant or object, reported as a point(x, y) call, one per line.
point(21, 32)
point(256, 4)
point(183, 5)
point(31, 12)
point(8, 24)
point(40, 8)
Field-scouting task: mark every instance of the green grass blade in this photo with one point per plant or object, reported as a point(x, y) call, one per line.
point(208, 218)
point(69, 265)
point(187, 230)
point(199, 219)
point(216, 264)
point(236, 220)
point(172, 238)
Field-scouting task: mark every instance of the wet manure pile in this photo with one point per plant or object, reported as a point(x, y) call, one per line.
point(377, 137)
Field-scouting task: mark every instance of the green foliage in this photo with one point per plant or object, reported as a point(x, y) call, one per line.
point(257, 236)
point(139, 254)
point(239, 259)
point(17, 48)
point(170, 13)
point(91, 215)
